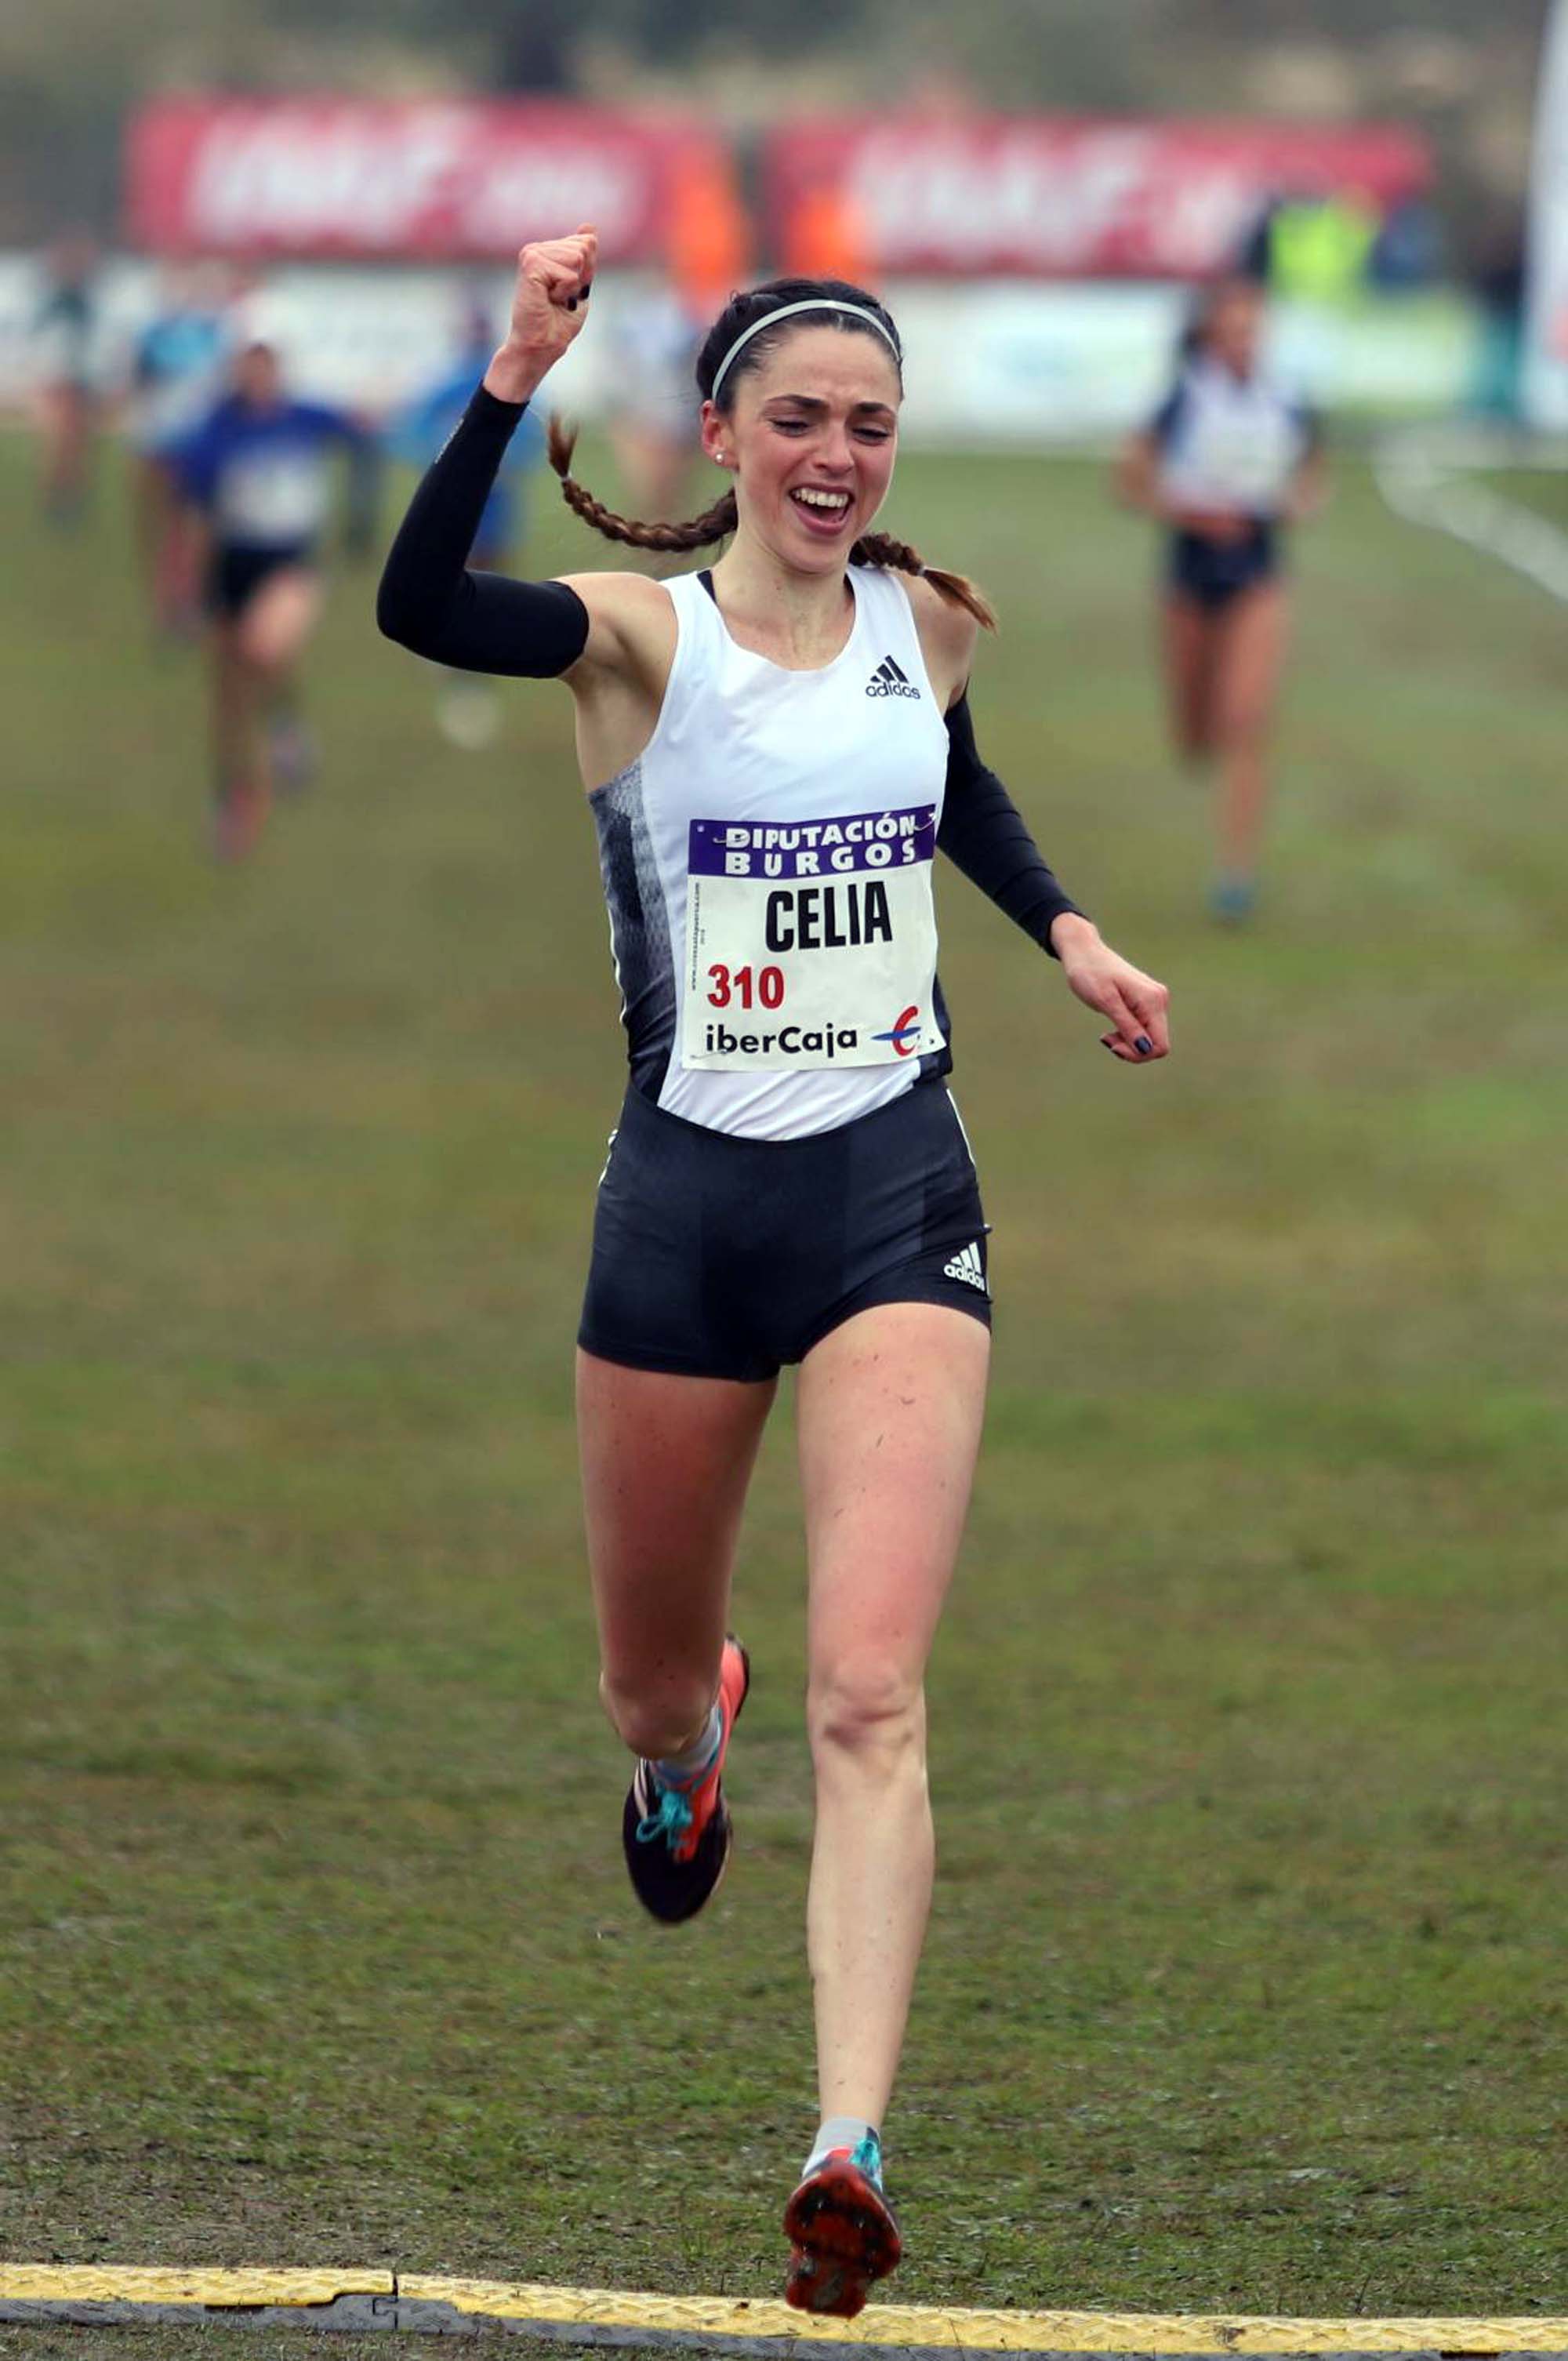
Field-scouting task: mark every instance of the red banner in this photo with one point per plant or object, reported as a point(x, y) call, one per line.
point(1059, 198)
point(426, 179)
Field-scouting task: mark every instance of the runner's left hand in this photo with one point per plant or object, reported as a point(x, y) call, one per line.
point(1137, 1007)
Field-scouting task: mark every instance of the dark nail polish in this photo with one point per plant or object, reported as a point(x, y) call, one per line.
point(1144, 1046)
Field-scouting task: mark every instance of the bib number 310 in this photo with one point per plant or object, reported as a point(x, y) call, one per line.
point(736, 986)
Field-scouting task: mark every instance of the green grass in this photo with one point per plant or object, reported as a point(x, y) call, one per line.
point(1545, 490)
point(1244, 1981)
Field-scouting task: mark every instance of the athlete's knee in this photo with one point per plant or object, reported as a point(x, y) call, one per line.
point(658, 1713)
point(267, 654)
point(868, 1706)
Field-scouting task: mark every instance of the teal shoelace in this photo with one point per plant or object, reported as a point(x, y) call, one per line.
point(866, 2157)
point(672, 1820)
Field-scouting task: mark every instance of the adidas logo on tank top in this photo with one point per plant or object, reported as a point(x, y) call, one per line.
point(889, 681)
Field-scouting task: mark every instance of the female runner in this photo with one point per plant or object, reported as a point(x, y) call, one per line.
point(255, 472)
point(772, 750)
point(65, 334)
point(1227, 459)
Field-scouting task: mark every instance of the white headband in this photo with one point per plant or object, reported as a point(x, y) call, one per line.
point(810, 304)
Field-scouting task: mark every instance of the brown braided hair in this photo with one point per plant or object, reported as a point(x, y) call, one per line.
point(714, 525)
point(718, 521)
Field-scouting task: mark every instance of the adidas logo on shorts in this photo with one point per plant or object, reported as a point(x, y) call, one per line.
point(966, 1265)
point(888, 680)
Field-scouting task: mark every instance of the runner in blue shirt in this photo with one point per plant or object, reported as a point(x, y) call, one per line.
point(467, 709)
point(257, 472)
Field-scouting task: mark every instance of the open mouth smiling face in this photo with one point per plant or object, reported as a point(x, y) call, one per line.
point(814, 432)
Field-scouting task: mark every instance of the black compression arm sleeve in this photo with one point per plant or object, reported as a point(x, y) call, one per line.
point(428, 599)
point(984, 834)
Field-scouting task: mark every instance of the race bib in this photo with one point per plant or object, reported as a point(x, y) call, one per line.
point(1246, 459)
point(810, 943)
point(273, 495)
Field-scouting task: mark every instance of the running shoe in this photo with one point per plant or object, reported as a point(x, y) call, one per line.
point(676, 1839)
point(843, 2233)
point(1233, 901)
point(291, 749)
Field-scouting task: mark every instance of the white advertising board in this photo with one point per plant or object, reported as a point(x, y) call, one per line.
point(993, 361)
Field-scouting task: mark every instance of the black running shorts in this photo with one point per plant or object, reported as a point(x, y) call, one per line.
point(717, 1256)
point(1215, 572)
point(236, 571)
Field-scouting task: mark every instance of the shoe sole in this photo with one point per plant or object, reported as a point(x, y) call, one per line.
point(824, 2288)
point(844, 2237)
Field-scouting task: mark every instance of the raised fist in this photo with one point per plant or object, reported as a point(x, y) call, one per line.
point(548, 304)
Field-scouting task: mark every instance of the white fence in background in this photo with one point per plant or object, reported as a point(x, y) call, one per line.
point(1004, 361)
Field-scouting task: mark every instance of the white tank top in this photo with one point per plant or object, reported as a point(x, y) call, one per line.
point(1228, 443)
point(767, 866)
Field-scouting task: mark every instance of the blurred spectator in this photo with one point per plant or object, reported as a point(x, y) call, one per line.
point(176, 373)
point(655, 412)
point(1311, 248)
point(708, 234)
point(827, 235)
point(1498, 280)
point(1409, 248)
point(64, 337)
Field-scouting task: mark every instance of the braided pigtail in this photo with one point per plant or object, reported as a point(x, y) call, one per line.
point(712, 525)
point(880, 549)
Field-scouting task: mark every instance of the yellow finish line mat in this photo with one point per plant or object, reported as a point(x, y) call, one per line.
point(136, 2297)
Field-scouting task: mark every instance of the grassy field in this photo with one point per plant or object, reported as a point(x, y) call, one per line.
point(1542, 489)
point(1244, 1987)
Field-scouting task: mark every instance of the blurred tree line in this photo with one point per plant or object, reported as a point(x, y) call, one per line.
point(70, 70)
